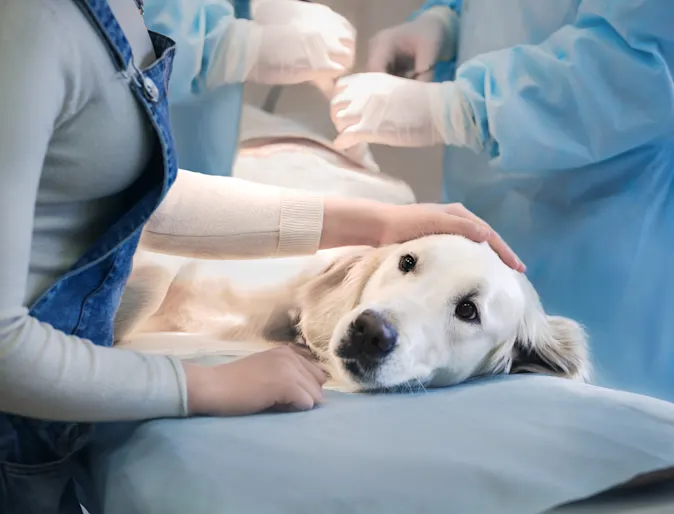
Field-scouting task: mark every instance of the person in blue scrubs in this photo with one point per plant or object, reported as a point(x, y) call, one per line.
point(559, 121)
point(219, 48)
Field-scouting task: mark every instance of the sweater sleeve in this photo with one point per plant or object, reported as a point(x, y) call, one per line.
point(216, 217)
point(45, 373)
point(594, 89)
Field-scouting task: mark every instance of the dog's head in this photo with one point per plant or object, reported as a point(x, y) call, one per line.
point(434, 311)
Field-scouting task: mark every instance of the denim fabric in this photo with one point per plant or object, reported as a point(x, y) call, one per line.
point(38, 459)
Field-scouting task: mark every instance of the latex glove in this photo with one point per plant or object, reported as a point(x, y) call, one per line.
point(288, 42)
point(293, 12)
point(359, 153)
point(380, 108)
point(324, 39)
point(427, 39)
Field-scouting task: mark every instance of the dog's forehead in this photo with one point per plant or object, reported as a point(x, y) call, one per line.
point(458, 263)
point(455, 251)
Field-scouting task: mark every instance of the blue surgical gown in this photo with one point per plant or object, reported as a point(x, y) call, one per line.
point(574, 165)
point(205, 121)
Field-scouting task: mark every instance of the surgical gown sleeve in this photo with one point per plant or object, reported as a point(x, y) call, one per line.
point(593, 90)
point(454, 5)
point(198, 27)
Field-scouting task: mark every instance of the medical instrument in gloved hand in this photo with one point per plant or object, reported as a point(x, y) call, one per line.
point(416, 45)
point(403, 66)
point(272, 98)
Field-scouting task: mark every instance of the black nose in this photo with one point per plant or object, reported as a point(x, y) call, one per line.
point(372, 335)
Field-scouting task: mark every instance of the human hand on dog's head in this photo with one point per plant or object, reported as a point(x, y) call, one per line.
point(495, 241)
point(355, 222)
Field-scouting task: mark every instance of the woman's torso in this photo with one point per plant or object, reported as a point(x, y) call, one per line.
point(596, 240)
point(100, 146)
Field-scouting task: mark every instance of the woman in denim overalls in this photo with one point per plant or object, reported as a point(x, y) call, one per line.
point(92, 291)
point(39, 459)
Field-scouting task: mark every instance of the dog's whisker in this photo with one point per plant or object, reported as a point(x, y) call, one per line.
point(421, 384)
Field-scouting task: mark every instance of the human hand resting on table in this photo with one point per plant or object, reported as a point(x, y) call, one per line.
point(278, 379)
point(354, 222)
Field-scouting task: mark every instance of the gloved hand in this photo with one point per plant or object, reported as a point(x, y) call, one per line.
point(388, 110)
point(288, 42)
point(427, 39)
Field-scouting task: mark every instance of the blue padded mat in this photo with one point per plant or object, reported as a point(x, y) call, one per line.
point(507, 445)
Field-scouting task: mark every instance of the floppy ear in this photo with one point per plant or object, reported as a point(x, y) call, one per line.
point(333, 292)
point(333, 275)
point(552, 345)
point(548, 344)
point(344, 277)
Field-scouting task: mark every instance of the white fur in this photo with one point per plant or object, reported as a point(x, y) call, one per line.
point(435, 348)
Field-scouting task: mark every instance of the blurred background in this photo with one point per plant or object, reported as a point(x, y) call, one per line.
point(306, 105)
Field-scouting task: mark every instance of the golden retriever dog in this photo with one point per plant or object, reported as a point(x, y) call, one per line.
point(431, 312)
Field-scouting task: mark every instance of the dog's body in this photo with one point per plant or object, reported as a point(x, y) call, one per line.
point(435, 311)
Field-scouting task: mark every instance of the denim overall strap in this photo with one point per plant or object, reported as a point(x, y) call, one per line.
point(36, 464)
point(108, 255)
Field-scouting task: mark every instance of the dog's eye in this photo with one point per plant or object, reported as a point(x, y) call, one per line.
point(466, 311)
point(407, 263)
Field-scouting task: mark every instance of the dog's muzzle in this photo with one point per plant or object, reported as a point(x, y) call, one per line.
point(369, 339)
